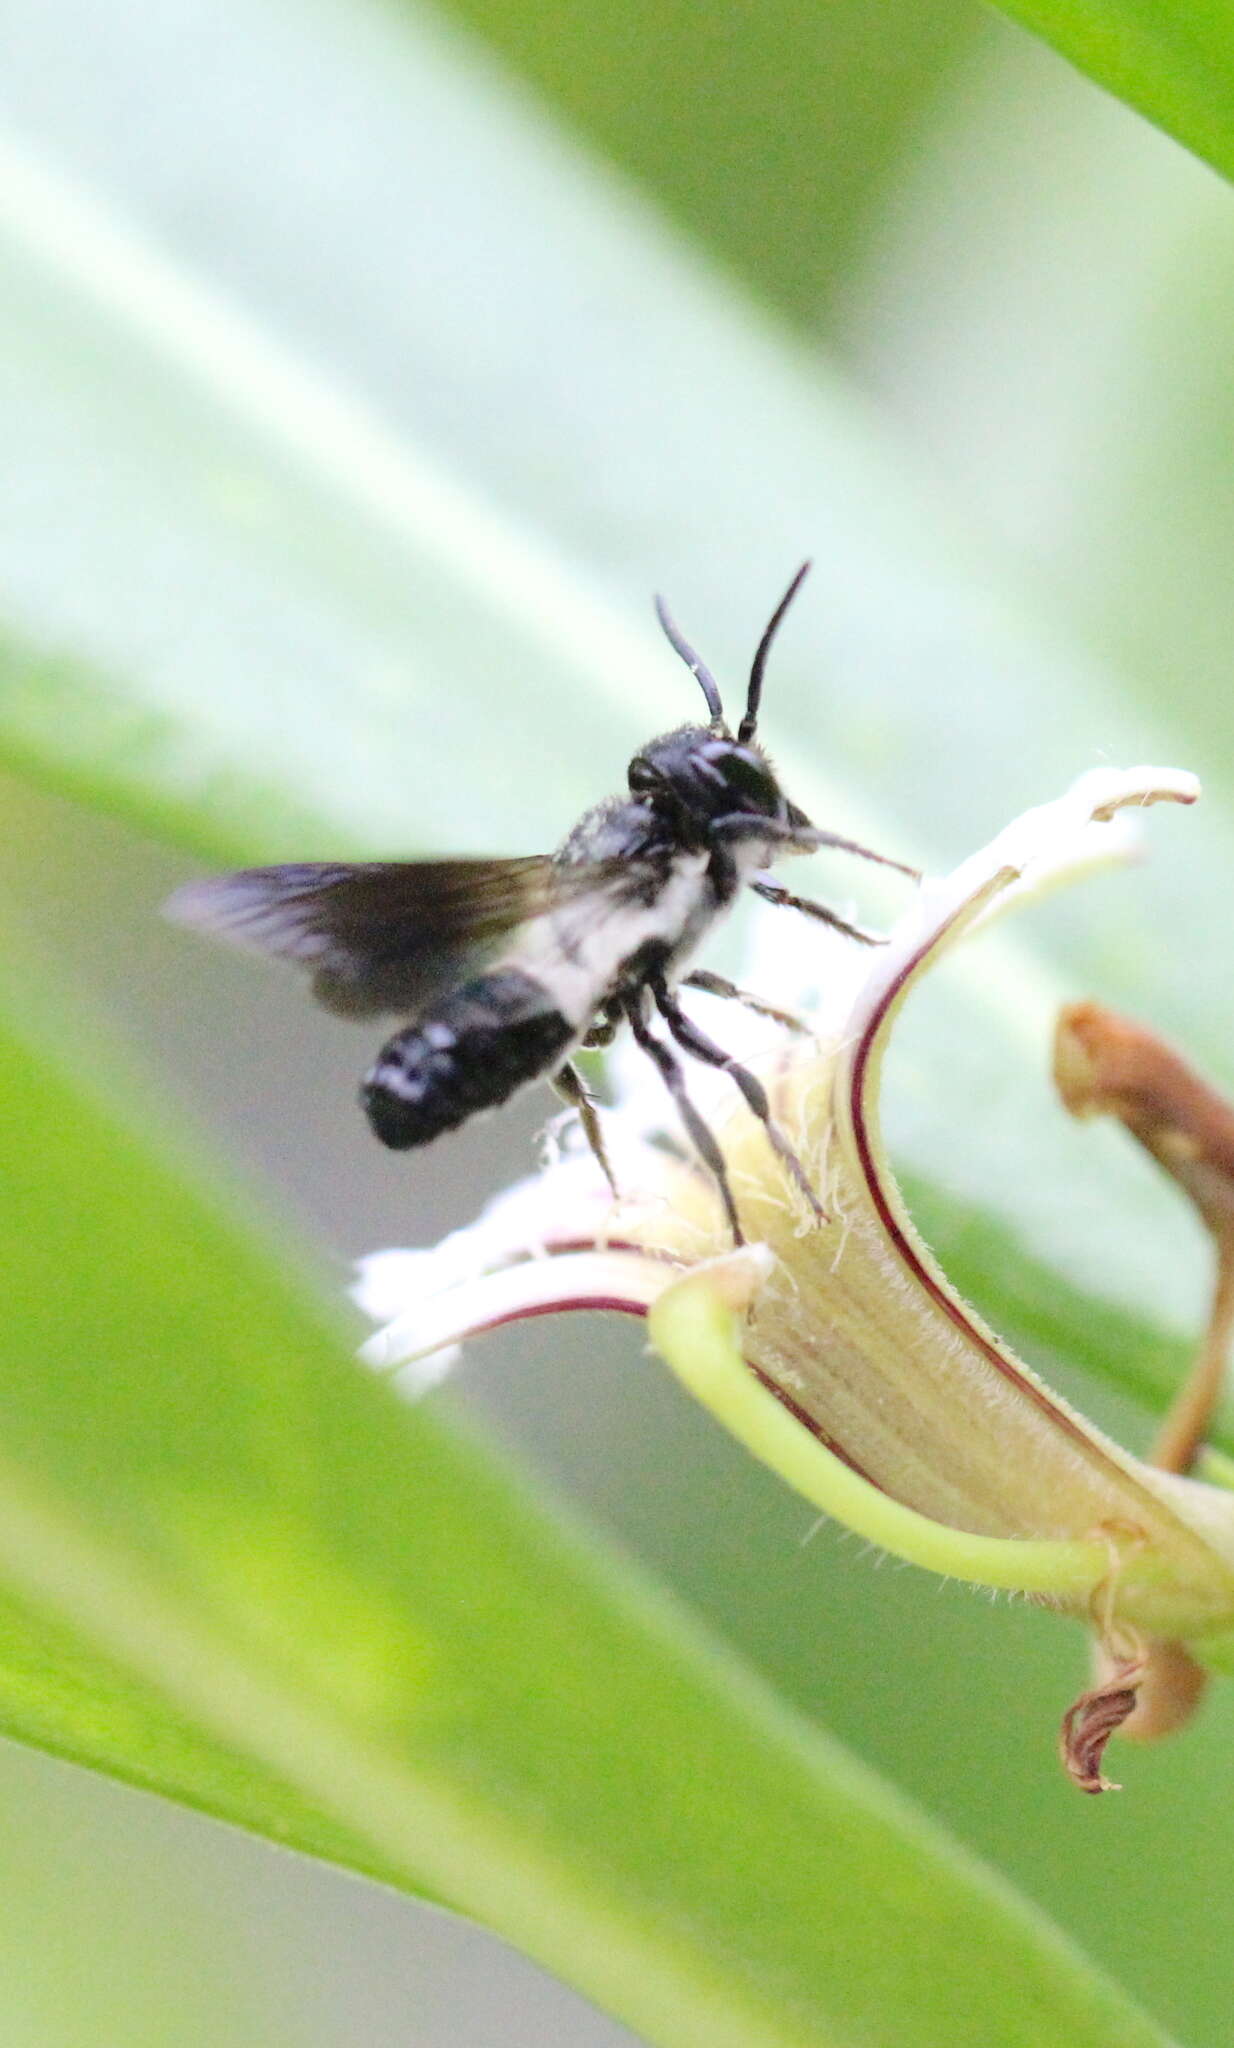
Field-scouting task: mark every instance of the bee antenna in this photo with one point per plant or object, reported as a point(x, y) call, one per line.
point(697, 667)
point(745, 730)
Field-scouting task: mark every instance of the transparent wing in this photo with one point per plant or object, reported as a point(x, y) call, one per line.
point(377, 936)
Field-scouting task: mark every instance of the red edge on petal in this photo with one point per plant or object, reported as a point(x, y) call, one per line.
point(809, 1423)
point(621, 1305)
point(556, 1308)
point(562, 1247)
point(952, 1309)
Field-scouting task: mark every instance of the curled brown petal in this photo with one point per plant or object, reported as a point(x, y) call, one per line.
point(1088, 1725)
point(1107, 1065)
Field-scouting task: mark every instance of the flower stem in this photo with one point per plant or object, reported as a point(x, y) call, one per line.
point(696, 1328)
point(1186, 1425)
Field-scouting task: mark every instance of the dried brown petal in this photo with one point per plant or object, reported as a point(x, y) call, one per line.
point(1107, 1065)
point(1088, 1725)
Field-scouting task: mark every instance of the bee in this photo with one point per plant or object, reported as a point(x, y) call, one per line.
point(506, 968)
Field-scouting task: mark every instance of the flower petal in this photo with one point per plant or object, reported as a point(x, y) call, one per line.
point(627, 1281)
point(859, 1331)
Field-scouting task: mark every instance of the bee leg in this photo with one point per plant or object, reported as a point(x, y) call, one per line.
point(602, 1032)
point(573, 1089)
point(719, 985)
point(700, 1133)
point(771, 892)
point(694, 1041)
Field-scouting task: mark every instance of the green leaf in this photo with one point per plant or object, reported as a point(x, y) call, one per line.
point(695, 106)
point(1172, 60)
point(117, 1910)
point(237, 1569)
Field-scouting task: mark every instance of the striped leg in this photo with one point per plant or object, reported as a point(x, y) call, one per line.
point(700, 1133)
point(572, 1088)
point(719, 985)
point(694, 1041)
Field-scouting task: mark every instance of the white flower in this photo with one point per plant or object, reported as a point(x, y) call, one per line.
point(839, 1352)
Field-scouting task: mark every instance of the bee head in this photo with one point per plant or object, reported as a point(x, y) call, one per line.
point(707, 774)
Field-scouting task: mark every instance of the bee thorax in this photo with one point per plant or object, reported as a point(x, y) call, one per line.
point(473, 1051)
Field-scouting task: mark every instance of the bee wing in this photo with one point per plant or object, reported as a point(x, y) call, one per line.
point(377, 936)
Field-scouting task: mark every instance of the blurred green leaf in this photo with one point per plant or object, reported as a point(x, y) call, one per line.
point(1172, 60)
point(237, 1569)
point(115, 1921)
point(770, 137)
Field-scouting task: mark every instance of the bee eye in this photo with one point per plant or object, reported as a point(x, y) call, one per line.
point(749, 778)
point(641, 776)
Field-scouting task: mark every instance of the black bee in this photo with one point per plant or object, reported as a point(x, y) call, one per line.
point(507, 967)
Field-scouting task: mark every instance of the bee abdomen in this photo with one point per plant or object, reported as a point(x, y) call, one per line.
point(471, 1052)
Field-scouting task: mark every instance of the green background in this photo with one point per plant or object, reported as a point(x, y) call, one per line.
point(360, 378)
